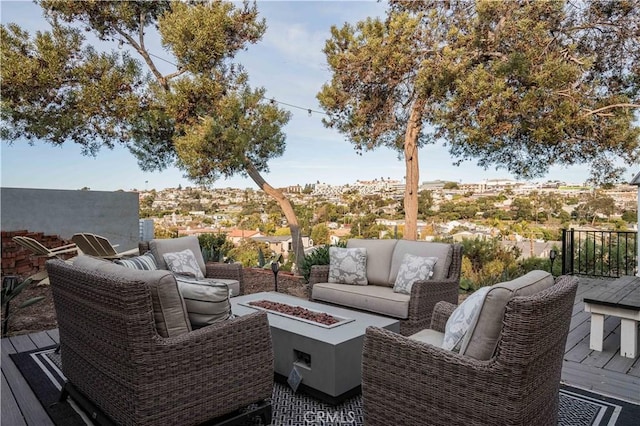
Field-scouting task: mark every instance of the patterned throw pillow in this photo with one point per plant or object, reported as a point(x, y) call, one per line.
point(462, 318)
point(412, 269)
point(146, 262)
point(207, 302)
point(348, 265)
point(183, 263)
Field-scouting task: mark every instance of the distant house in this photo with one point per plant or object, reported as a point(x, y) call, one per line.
point(236, 235)
point(281, 244)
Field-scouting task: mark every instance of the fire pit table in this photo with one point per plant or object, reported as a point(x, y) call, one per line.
point(326, 356)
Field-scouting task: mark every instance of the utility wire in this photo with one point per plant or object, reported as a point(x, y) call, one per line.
point(272, 100)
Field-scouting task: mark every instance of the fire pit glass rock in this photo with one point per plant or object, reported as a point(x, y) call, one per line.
point(318, 318)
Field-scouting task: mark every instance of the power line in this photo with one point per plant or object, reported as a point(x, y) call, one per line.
point(272, 100)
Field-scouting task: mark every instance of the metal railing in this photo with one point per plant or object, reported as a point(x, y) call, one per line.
point(599, 253)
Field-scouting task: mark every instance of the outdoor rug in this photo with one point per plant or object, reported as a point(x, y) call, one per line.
point(41, 369)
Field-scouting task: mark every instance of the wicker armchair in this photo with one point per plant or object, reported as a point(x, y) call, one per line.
point(408, 382)
point(226, 271)
point(424, 294)
point(113, 356)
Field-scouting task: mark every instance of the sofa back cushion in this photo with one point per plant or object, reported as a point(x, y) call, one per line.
point(482, 337)
point(443, 251)
point(378, 259)
point(171, 245)
point(169, 310)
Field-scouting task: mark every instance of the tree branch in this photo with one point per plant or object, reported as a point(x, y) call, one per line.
point(623, 105)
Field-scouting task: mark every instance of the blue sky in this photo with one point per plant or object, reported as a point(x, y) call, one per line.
point(290, 65)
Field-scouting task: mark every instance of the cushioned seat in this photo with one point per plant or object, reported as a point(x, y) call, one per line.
point(121, 354)
point(372, 298)
point(397, 278)
point(230, 274)
point(406, 381)
point(432, 337)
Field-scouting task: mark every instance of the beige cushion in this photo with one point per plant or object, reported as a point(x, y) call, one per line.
point(443, 251)
point(234, 285)
point(429, 336)
point(378, 259)
point(372, 298)
point(207, 302)
point(171, 245)
point(169, 311)
point(482, 337)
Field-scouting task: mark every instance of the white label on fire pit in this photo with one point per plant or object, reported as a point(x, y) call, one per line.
point(294, 379)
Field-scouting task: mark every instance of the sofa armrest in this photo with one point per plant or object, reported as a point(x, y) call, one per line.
point(441, 313)
point(318, 274)
point(227, 271)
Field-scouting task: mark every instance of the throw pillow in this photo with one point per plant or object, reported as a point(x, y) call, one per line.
point(348, 265)
point(206, 302)
point(412, 269)
point(183, 263)
point(146, 262)
point(462, 318)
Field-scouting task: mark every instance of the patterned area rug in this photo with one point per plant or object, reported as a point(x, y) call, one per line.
point(577, 407)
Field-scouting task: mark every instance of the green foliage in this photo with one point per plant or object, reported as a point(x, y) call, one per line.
point(10, 292)
point(521, 86)
point(319, 256)
point(486, 262)
point(247, 252)
point(214, 246)
point(320, 234)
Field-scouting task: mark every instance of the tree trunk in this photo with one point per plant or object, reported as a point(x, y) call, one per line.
point(412, 173)
point(287, 209)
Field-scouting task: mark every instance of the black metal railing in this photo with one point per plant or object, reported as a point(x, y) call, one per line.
point(599, 253)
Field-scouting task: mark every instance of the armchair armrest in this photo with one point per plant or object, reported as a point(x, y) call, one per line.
point(228, 271)
point(424, 296)
point(441, 313)
point(405, 381)
point(231, 362)
point(318, 274)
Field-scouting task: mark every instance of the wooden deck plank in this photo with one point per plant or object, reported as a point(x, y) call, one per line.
point(42, 339)
point(602, 381)
point(22, 343)
point(11, 414)
point(32, 410)
point(610, 344)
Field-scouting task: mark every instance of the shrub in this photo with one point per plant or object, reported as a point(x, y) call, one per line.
point(319, 256)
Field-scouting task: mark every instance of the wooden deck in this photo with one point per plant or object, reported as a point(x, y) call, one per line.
point(603, 372)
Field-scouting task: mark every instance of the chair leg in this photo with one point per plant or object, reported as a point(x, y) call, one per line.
point(267, 415)
point(64, 394)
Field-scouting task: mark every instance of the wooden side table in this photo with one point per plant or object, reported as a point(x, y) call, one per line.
point(620, 298)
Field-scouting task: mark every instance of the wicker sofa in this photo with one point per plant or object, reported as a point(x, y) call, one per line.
point(382, 264)
point(509, 372)
point(127, 347)
point(228, 273)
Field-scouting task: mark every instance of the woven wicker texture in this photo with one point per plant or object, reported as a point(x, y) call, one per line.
point(406, 382)
point(424, 294)
point(112, 353)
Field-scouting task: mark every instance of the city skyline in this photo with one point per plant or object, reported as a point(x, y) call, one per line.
point(288, 62)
